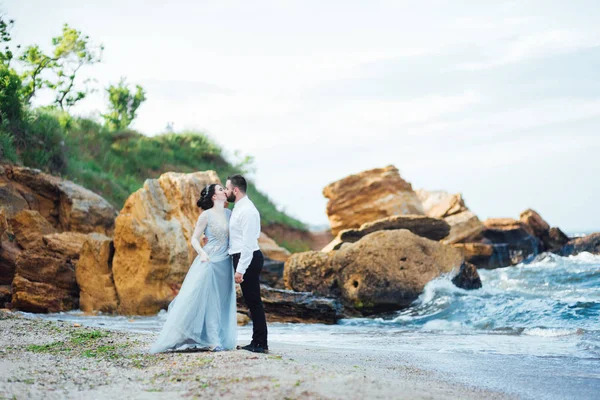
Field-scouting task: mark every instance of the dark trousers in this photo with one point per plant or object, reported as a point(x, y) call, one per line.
point(251, 291)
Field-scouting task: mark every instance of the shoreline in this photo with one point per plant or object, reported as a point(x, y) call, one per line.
point(54, 359)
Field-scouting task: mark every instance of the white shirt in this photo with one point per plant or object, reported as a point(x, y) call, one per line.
point(244, 231)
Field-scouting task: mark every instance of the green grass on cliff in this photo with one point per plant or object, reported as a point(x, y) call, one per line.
point(114, 165)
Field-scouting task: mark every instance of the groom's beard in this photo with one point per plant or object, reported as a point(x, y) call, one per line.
point(231, 198)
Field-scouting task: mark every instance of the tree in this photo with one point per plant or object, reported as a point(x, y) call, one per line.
point(58, 71)
point(11, 107)
point(5, 54)
point(123, 105)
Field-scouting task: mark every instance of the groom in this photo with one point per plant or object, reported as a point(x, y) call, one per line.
point(244, 230)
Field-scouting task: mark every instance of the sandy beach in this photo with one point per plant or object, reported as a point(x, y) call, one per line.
point(56, 360)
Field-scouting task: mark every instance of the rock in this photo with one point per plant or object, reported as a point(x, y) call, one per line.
point(29, 227)
point(486, 256)
point(467, 277)
point(430, 228)
point(5, 295)
point(289, 306)
point(271, 249)
point(4, 226)
point(152, 240)
point(94, 275)
point(64, 204)
point(68, 244)
point(553, 239)
point(312, 271)
point(518, 237)
point(242, 319)
point(440, 204)
point(463, 227)
point(556, 240)
point(535, 222)
point(8, 260)
point(45, 274)
point(272, 274)
point(589, 243)
point(383, 271)
point(39, 297)
point(9, 249)
point(369, 196)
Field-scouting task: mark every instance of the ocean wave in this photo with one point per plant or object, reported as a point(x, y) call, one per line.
point(542, 332)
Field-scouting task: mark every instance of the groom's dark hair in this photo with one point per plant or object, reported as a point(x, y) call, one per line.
point(239, 182)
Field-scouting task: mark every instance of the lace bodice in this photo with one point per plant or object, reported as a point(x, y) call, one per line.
point(214, 223)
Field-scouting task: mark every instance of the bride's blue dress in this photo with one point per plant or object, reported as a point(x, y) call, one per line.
point(203, 314)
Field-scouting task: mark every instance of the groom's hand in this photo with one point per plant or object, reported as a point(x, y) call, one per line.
point(239, 278)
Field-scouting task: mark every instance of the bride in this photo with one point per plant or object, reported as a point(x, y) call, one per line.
point(203, 314)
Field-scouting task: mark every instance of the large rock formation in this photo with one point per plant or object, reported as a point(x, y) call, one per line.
point(464, 225)
point(64, 204)
point(369, 196)
point(94, 275)
point(589, 243)
point(289, 306)
point(45, 274)
point(383, 271)
point(152, 240)
point(430, 228)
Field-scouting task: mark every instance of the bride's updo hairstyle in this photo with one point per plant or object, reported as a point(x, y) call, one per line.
point(205, 202)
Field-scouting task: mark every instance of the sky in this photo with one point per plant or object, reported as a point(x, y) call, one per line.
point(497, 100)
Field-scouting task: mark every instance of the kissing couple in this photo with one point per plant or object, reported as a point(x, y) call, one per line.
point(203, 314)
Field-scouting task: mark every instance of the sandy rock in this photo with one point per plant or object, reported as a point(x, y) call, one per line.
point(45, 274)
point(94, 275)
point(29, 227)
point(64, 204)
point(383, 271)
point(463, 226)
point(152, 240)
point(369, 196)
point(420, 225)
point(440, 204)
point(40, 297)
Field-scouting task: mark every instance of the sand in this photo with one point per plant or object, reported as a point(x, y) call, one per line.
point(56, 360)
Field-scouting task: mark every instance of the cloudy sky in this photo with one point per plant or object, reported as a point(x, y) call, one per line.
point(499, 100)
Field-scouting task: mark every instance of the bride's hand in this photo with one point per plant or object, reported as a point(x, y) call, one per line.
point(204, 257)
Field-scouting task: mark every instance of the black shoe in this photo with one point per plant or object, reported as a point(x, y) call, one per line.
point(256, 348)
